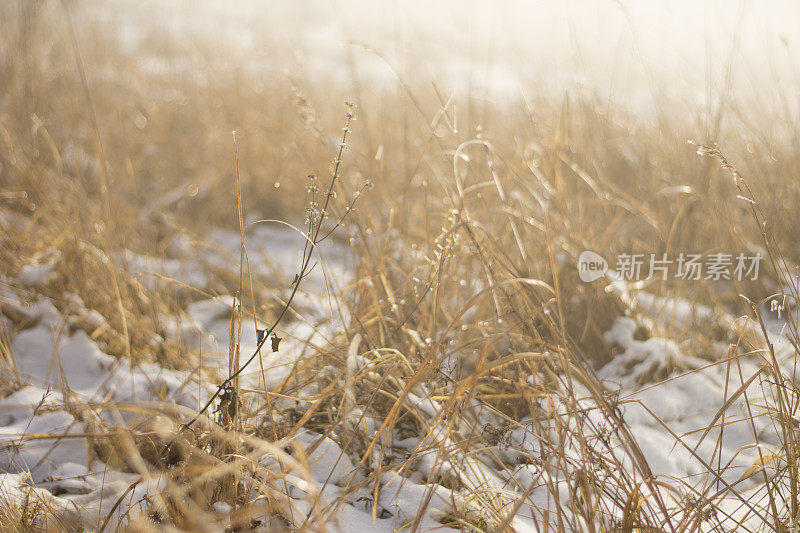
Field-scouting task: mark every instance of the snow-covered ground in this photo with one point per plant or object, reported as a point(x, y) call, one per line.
point(72, 390)
point(66, 378)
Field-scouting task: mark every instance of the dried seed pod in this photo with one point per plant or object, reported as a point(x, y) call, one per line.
point(276, 342)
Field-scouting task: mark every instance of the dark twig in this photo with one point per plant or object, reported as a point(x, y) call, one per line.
point(313, 238)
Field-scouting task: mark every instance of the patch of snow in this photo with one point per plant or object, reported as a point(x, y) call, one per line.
point(327, 460)
point(159, 274)
point(642, 361)
point(42, 270)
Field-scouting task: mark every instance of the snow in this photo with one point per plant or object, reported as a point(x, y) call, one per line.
point(47, 358)
point(158, 274)
point(662, 392)
point(326, 459)
point(41, 271)
point(405, 499)
point(642, 361)
point(44, 451)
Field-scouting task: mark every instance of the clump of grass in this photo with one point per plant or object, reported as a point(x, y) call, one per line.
point(28, 516)
point(466, 315)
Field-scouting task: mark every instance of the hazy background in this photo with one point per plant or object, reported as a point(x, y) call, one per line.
point(640, 53)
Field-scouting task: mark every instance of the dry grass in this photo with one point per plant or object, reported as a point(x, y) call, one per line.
point(464, 292)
